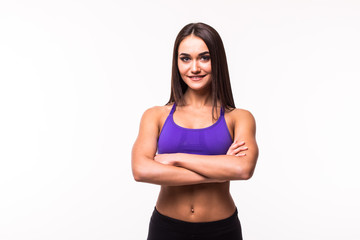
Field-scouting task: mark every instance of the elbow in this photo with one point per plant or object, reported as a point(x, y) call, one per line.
point(143, 170)
point(243, 173)
point(245, 170)
point(139, 175)
point(247, 175)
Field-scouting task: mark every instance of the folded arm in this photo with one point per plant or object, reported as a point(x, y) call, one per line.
point(223, 167)
point(145, 169)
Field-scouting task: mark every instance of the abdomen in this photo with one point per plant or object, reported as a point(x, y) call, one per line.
point(196, 203)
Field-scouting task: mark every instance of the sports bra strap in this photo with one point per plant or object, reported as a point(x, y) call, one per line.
point(173, 108)
point(222, 112)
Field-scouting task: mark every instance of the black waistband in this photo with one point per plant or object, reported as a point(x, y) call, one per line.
point(198, 227)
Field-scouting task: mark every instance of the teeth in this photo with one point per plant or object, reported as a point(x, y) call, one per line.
point(197, 77)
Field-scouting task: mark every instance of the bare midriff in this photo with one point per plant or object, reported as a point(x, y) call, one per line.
point(196, 203)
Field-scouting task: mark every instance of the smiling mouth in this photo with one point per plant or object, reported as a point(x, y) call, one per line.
point(197, 77)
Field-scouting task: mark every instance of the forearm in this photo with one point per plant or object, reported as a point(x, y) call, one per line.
point(224, 167)
point(150, 171)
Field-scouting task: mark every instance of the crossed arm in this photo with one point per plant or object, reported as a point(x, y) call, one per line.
point(186, 169)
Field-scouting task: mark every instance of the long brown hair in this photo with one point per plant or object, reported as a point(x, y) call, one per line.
point(220, 82)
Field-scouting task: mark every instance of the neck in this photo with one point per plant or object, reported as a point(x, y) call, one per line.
point(198, 99)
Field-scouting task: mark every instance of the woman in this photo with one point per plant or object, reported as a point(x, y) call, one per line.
point(202, 142)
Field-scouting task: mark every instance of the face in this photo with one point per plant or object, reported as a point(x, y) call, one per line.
point(194, 63)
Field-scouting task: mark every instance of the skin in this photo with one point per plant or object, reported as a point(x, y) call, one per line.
point(195, 188)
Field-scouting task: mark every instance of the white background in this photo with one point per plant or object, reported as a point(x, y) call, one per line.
point(76, 77)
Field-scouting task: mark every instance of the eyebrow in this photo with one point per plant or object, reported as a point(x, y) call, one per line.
point(200, 54)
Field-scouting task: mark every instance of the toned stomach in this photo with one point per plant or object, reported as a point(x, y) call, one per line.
point(196, 203)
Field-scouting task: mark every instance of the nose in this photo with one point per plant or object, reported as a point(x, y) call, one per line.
point(195, 67)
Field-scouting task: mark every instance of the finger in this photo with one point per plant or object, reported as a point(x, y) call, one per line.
point(240, 154)
point(234, 145)
point(231, 152)
point(240, 149)
point(238, 143)
point(233, 149)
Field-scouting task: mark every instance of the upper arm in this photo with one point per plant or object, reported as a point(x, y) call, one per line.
point(245, 130)
point(145, 145)
point(244, 126)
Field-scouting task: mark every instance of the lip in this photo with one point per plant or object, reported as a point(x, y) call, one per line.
point(196, 77)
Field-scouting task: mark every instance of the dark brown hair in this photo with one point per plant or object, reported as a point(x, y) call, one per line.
point(220, 82)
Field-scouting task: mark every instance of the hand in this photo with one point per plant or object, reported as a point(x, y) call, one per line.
point(237, 149)
point(167, 159)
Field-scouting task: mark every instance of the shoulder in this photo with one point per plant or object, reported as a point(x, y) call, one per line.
point(155, 114)
point(241, 117)
point(152, 111)
point(240, 114)
point(157, 111)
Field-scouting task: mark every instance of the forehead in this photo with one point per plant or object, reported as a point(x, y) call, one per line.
point(192, 45)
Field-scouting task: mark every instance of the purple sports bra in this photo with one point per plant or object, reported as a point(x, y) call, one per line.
point(212, 140)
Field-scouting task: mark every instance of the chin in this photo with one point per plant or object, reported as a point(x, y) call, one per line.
point(199, 86)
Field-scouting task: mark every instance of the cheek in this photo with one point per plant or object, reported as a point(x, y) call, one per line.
point(182, 68)
point(207, 67)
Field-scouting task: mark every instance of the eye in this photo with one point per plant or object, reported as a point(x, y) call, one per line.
point(184, 59)
point(205, 57)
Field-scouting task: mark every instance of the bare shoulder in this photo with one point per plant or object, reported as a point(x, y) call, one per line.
point(155, 115)
point(152, 112)
point(157, 111)
point(241, 115)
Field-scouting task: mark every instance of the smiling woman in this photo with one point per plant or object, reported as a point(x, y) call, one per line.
point(196, 144)
point(194, 63)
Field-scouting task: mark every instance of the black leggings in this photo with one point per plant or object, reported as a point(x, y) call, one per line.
point(167, 228)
